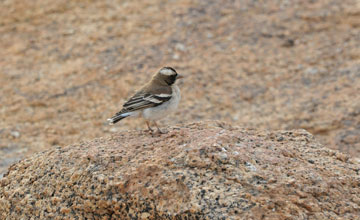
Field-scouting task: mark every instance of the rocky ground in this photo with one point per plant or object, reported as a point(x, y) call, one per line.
point(65, 67)
point(206, 170)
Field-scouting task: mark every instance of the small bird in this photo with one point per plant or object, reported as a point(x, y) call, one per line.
point(153, 101)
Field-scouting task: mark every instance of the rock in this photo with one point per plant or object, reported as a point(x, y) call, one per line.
point(311, 71)
point(180, 47)
point(15, 134)
point(288, 43)
point(67, 67)
point(208, 170)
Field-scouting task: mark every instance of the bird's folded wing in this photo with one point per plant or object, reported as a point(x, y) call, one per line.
point(144, 100)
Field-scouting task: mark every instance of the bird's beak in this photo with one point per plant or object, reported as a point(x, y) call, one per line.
point(179, 76)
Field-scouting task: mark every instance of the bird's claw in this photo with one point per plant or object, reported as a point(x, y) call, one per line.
point(161, 132)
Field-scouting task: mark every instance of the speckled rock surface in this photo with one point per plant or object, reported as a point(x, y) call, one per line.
point(205, 170)
point(65, 67)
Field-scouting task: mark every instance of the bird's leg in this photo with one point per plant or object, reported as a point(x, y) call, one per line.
point(148, 125)
point(159, 131)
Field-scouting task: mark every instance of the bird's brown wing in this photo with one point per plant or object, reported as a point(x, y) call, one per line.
point(146, 98)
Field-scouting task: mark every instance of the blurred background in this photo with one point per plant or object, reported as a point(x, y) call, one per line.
point(67, 66)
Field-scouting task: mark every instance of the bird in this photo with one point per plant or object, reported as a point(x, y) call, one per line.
point(154, 101)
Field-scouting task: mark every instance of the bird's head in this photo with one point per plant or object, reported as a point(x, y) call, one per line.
point(167, 76)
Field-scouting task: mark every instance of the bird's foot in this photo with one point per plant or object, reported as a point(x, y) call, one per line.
point(161, 132)
point(151, 131)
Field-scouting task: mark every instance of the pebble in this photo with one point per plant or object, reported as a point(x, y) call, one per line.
point(180, 47)
point(15, 134)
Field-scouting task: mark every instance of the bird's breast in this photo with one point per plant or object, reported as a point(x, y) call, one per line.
point(161, 111)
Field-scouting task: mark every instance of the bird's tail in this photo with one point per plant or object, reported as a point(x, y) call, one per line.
point(116, 118)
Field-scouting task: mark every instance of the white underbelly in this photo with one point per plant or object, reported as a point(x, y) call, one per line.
point(159, 112)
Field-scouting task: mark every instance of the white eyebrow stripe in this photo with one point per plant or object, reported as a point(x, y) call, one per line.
point(163, 95)
point(167, 72)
